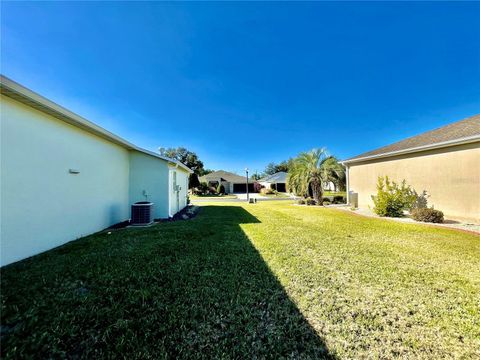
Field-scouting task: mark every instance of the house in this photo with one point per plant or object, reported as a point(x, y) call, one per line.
point(329, 186)
point(63, 177)
point(445, 162)
point(232, 183)
point(277, 181)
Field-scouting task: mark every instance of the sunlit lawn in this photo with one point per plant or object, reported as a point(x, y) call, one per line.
point(213, 196)
point(265, 280)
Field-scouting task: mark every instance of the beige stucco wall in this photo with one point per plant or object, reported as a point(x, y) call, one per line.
point(451, 176)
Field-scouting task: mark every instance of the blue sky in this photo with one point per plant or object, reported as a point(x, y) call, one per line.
point(244, 84)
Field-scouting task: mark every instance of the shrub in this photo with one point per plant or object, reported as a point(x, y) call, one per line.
point(220, 189)
point(421, 200)
point(427, 215)
point(301, 202)
point(310, 201)
point(257, 187)
point(326, 202)
point(393, 199)
point(202, 188)
point(265, 191)
point(338, 199)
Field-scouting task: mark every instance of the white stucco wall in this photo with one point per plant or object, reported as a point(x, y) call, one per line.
point(42, 204)
point(183, 177)
point(182, 181)
point(150, 174)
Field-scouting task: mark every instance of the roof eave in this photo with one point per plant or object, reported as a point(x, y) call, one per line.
point(461, 141)
point(26, 96)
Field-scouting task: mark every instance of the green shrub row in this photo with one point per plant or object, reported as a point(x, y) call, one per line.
point(325, 201)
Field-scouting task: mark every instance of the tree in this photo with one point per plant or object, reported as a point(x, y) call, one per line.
point(193, 181)
point(203, 172)
point(256, 176)
point(273, 168)
point(309, 172)
point(270, 169)
point(220, 189)
point(283, 166)
point(335, 172)
point(185, 156)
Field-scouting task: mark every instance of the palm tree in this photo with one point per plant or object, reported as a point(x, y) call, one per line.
point(311, 170)
point(335, 172)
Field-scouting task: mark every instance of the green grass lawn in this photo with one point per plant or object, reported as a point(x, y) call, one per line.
point(334, 193)
point(266, 280)
point(213, 196)
point(277, 195)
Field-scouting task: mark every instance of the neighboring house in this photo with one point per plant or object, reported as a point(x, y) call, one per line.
point(277, 181)
point(329, 186)
point(232, 183)
point(63, 177)
point(445, 162)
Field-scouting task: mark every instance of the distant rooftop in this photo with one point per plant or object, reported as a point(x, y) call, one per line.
point(224, 175)
point(464, 130)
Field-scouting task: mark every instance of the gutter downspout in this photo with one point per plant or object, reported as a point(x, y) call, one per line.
point(347, 170)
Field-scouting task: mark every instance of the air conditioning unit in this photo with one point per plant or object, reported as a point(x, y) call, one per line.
point(142, 213)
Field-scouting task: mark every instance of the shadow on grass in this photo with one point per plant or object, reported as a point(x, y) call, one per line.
point(188, 289)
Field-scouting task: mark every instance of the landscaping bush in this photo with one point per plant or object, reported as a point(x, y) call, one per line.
point(427, 215)
point(220, 189)
point(421, 200)
point(265, 191)
point(393, 199)
point(326, 202)
point(257, 187)
point(202, 188)
point(310, 201)
point(338, 199)
point(301, 202)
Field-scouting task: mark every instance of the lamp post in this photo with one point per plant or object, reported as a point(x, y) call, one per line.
point(248, 195)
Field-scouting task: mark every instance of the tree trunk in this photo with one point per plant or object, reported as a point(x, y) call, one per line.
point(317, 191)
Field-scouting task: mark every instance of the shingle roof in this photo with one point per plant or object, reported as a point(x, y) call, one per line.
point(225, 175)
point(279, 177)
point(466, 129)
